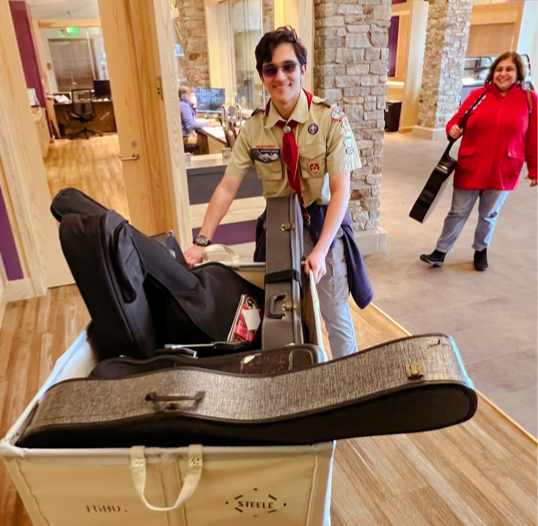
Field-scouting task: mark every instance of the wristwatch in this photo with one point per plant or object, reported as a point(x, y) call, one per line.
point(201, 241)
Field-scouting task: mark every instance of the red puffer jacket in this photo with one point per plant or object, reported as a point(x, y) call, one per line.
point(497, 139)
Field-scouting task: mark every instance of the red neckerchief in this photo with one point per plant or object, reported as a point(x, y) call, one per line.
point(290, 155)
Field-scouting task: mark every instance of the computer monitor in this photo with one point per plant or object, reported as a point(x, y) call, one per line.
point(210, 100)
point(101, 89)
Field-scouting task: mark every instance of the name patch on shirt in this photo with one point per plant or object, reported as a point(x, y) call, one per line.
point(265, 155)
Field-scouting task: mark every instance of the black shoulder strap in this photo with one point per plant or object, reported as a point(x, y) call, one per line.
point(472, 108)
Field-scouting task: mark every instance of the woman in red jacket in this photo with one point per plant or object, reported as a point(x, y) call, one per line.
point(499, 137)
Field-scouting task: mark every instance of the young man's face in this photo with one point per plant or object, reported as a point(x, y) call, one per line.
point(285, 86)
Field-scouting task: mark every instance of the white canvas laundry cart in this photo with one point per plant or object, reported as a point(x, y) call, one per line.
point(194, 486)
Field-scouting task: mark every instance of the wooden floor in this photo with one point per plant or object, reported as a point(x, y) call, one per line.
point(90, 165)
point(482, 473)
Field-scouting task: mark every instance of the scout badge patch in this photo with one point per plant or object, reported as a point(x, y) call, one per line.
point(265, 155)
point(313, 129)
point(337, 114)
point(314, 168)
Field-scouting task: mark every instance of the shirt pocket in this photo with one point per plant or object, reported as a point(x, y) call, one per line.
point(267, 168)
point(466, 161)
point(313, 162)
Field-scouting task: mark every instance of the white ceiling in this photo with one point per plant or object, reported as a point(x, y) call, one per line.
point(63, 9)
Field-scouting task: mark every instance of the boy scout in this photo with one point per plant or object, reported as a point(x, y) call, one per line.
point(300, 143)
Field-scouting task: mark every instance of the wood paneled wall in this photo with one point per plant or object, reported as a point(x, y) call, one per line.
point(495, 28)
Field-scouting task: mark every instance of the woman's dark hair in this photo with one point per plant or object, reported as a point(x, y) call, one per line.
point(183, 91)
point(518, 62)
point(270, 41)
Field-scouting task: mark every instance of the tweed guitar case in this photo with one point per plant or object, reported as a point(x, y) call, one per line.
point(252, 362)
point(281, 323)
point(413, 384)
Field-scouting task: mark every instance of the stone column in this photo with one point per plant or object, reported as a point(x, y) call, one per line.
point(351, 66)
point(192, 29)
point(447, 36)
point(268, 15)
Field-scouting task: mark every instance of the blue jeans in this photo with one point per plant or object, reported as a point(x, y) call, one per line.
point(490, 203)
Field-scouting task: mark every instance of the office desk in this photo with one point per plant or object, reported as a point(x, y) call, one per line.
point(215, 139)
point(239, 224)
point(205, 172)
point(104, 120)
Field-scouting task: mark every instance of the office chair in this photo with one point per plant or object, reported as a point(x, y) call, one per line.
point(83, 111)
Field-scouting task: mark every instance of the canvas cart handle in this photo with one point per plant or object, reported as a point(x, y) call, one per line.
point(212, 250)
point(138, 471)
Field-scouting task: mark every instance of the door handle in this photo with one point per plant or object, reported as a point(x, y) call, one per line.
point(133, 158)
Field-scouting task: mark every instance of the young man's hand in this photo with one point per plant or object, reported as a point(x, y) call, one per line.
point(315, 262)
point(193, 255)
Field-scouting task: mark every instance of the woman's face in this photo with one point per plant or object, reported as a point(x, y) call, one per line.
point(505, 75)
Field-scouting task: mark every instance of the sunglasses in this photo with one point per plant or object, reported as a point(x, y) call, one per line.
point(271, 70)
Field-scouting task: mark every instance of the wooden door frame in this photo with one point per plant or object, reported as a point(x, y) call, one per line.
point(24, 178)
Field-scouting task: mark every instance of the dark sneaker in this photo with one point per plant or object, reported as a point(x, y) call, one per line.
point(481, 259)
point(435, 259)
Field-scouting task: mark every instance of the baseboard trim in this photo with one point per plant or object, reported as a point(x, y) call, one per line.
point(2, 304)
point(432, 134)
point(371, 241)
point(19, 289)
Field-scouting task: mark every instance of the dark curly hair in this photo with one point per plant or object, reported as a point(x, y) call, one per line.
point(518, 62)
point(270, 41)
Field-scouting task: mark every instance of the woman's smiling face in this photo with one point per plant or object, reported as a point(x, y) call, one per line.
point(505, 75)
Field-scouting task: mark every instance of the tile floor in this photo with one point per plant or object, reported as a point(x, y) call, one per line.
point(492, 315)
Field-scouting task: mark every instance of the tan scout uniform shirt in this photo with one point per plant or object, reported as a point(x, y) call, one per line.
point(326, 146)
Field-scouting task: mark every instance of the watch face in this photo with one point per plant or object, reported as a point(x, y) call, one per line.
point(202, 241)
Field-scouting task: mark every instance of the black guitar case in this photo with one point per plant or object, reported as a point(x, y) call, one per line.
point(252, 362)
point(413, 384)
point(438, 180)
point(282, 324)
point(139, 295)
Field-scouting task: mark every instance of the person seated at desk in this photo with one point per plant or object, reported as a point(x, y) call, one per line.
point(189, 123)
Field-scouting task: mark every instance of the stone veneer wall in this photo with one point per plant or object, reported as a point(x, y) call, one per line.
point(351, 65)
point(195, 65)
point(447, 35)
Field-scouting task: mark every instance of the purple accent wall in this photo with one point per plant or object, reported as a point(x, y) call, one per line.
point(8, 249)
point(22, 21)
point(393, 43)
point(233, 233)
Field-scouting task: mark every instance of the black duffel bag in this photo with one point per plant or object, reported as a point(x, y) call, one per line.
point(139, 296)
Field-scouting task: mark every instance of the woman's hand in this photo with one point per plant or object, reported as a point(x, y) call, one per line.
point(315, 262)
point(534, 182)
point(455, 132)
point(194, 255)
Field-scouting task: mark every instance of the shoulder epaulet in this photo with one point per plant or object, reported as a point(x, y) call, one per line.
point(256, 111)
point(323, 102)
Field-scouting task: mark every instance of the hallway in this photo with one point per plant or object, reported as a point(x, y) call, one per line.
point(492, 314)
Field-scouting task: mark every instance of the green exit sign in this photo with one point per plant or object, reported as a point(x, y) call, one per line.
point(72, 30)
